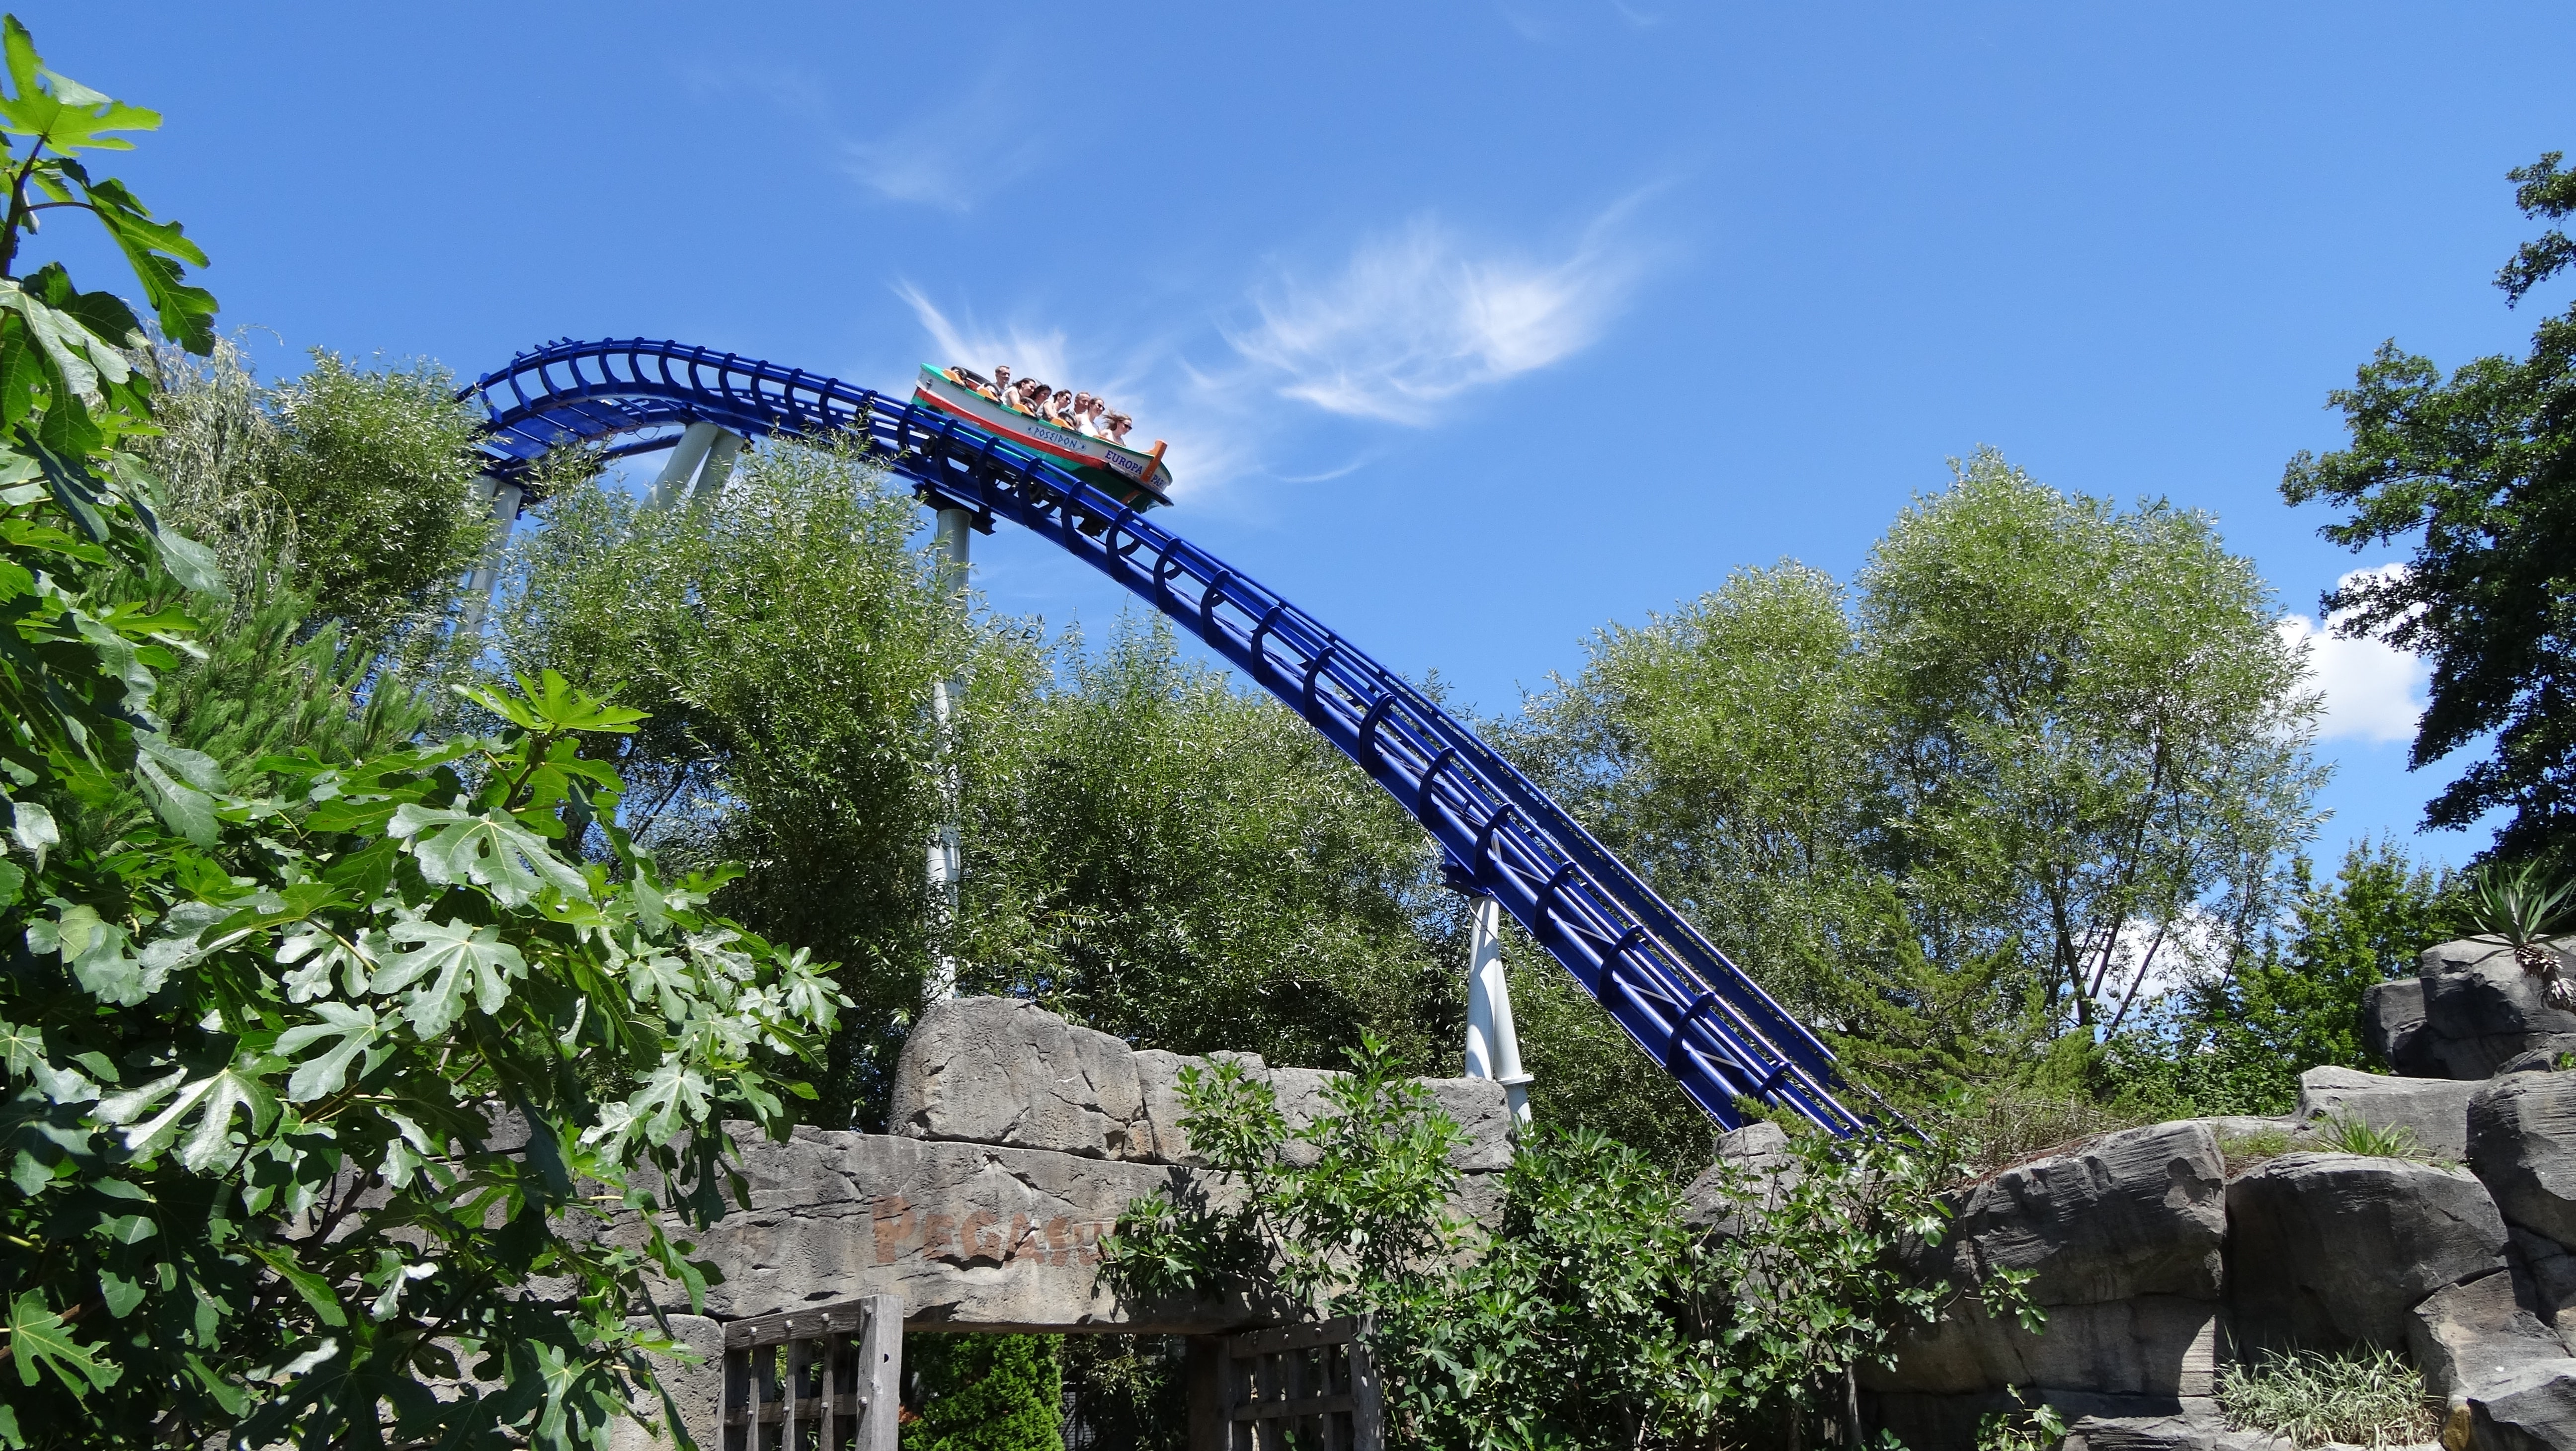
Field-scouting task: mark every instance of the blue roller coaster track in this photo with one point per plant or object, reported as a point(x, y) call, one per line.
point(1693, 1011)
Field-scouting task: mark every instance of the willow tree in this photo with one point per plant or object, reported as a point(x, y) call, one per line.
point(2043, 749)
point(2096, 738)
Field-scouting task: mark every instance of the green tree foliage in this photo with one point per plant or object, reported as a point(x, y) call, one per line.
point(2045, 745)
point(2097, 740)
point(1126, 1392)
point(985, 1393)
point(274, 683)
point(294, 1125)
point(379, 471)
point(355, 489)
point(781, 638)
point(272, 673)
point(1147, 849)
point(2479, 470)
point(2238, 1043)
point(1728, 752)
point(1588, 1074)
point(1162, 856)
point(263, 683)
point(1595, 1315)
point(2367, 925)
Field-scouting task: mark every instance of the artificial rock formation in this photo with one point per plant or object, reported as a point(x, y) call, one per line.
point(2469, 1013)
point(1018, 1141)
point(2156, 1267)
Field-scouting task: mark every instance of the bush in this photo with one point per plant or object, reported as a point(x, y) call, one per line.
point(1595, 1314)
point(985, 1393)
point(2367, 1396)
point(2244, 1151)
point(1125, 1392)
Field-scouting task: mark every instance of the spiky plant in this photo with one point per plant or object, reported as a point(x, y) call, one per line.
point(2524, 906)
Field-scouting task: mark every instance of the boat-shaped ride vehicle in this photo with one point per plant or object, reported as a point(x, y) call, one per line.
point(1137, 478)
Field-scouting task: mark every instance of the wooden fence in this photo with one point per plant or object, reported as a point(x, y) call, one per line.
point(1294, 1388)
point(826, 1379)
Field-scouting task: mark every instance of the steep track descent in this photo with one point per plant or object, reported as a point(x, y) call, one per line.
point(1708, 1023)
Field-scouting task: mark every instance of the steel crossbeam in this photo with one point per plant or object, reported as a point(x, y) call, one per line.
point(1684, 1003)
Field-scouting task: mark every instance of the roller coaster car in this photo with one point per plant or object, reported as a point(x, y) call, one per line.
point(1136, 478)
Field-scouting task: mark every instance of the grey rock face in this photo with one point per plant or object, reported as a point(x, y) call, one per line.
point(969, 1234)
point(2150, 1345)
point(2139, 1433)
point(1755, 1157)
point(2139, 1212)
point(1482, 1112)
point(697, 1389)
point(1158, 1088)
point(2328, 1249)
point(1001, 1071)
point(2481, 1009)
point(2194, 1431)
point(2436, 1109)
point(2468, 1336)
point(2123, 1236)
point(2392, 1027)
point(2522, 1143)
point(1009, 1073)
point(1949, 1422)
point(2532, 1410)
point(2549, 1269)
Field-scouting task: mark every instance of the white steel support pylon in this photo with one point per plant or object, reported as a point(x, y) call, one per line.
point(947, 700)
point(1493, 1045)
point(682, 466)
point(719, 465)
point(487, 573)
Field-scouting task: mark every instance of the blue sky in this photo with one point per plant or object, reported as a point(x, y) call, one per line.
point(1472, 327)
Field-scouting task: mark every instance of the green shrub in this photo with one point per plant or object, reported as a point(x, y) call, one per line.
point(2007, 1127)
point(986, 1393)
point(2243, 1151)
point(2345, 1134)
point(2366, 1396)
point(1591, 1313)
point(2025, 1428)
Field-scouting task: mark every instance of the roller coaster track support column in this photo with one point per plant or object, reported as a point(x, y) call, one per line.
point(947, 700)
point(1493, 1045)
point(487, 574)
point(686, 457)
point(705, 452)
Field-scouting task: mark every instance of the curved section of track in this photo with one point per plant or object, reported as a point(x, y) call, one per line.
point(1708, 1023)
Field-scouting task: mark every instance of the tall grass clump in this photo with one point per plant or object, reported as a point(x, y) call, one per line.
point(2347, 1134)
point(2362, 1397)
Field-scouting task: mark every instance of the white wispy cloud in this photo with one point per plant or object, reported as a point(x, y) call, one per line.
point(1030, 354)
point(1419, 317)
point(2373, 691)
point(952, 157)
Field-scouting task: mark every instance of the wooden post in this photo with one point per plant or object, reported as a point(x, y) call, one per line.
point(1368, 1406)
point(1210, 1429)
point(880, 1371)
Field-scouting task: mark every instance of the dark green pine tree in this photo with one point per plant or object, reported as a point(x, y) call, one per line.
point(985, 1393)
point(273, 682)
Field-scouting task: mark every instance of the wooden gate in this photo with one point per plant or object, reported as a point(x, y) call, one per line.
point(1294, 1388)
point(826, 1379)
